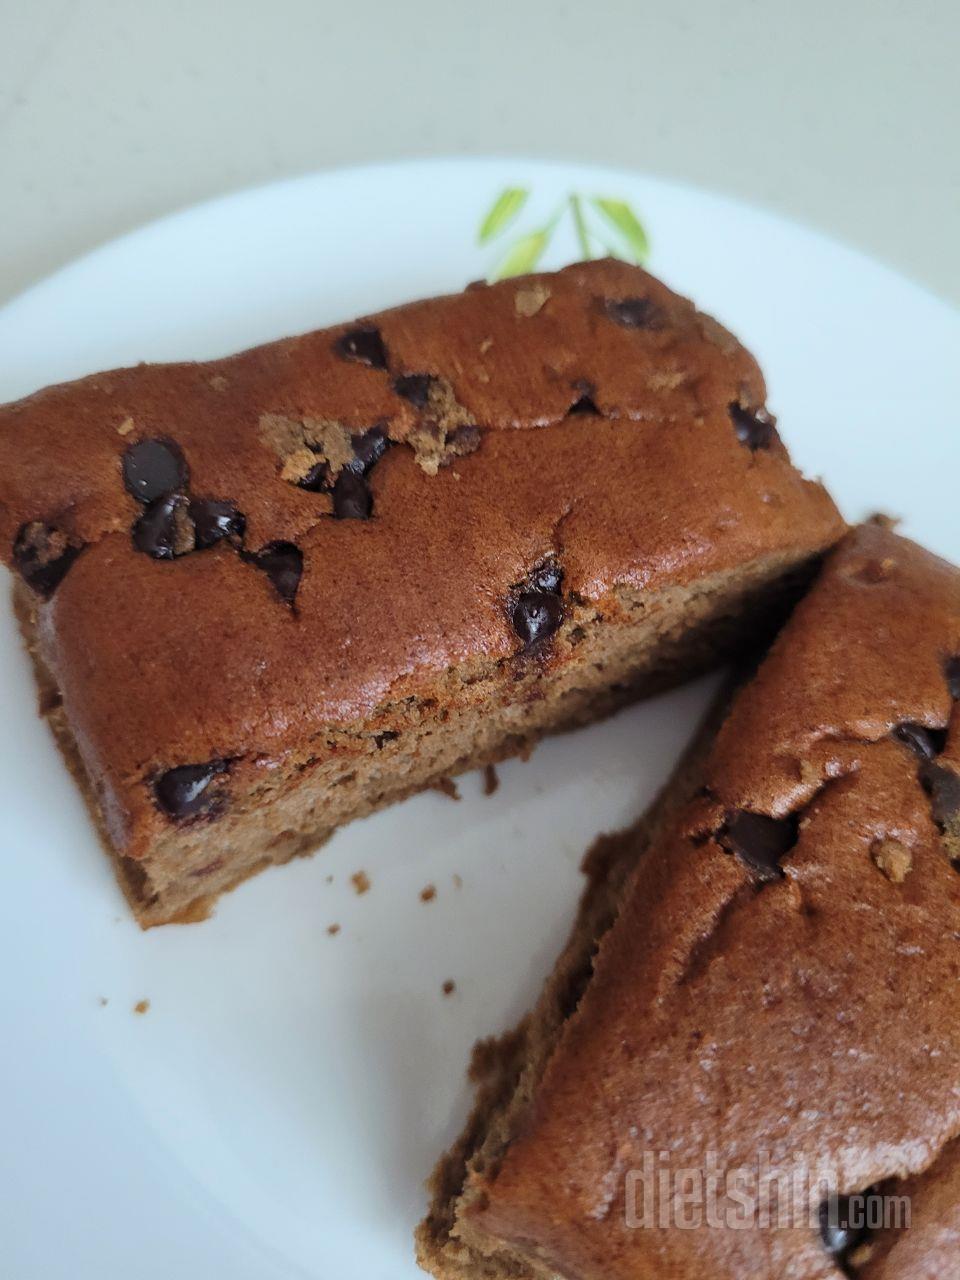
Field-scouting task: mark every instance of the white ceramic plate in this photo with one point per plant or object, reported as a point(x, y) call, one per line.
point(276, 1110)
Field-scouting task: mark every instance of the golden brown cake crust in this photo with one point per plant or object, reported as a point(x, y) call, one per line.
point(810, 1013)
point(164, 663)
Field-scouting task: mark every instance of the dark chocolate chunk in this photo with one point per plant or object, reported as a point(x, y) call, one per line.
point(352, 499)
point(185, 792)
point(633, 313)
point(165, 529)
point(214, 520)
point(584, 405)
point(547, 577)
point(537, 616)
point(368, 449)
point(924, 742)
point(317, 479)
point(152, 468)
point(759, 841)
point(845, 1222)
point(414, 387)
point(43, 555)
point(754, 427)
point(951, 669)
point(943, 787)
point(282, 562)
point(364, 345)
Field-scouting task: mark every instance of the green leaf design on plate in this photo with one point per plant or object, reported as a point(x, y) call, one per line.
point(502, 212)
point(523, 256)
point(619, 214)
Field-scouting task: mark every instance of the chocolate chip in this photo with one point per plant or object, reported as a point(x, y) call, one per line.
point(759, 841)
point(316, 479)
point(368, 449)
point(282, 562)
point(845, 1222)
point(754, 427)
point(184, 792)
point(943, 787)
point(43, 555)
point(364, 345)
point(152, 468)
point(537, 616)
point(923, 742)
point(214, 520)
point(547, 577)
point(414, 387)
point(633, 313)
point(165, 529)
point(352, 499)
point(951, 669)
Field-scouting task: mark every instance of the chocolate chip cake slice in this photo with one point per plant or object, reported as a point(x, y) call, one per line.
point(747, 1062)
point(271, 593)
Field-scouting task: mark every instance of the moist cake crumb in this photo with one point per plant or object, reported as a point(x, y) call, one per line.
point(360, 881)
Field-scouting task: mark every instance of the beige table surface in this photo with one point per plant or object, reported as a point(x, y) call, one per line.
point(842, 114)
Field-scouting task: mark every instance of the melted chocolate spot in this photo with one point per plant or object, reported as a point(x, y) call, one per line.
point(165, 529)
point(756, 428)
point(368, 449)
point(951, 669)
point(152, 468)
point(759, 841)
point(943, 787)
point(317, 479)
point(185, 792)
point(43, 555)
point(414, 387)
point(923, 742)
point(547, 577)
point(846, 1222)
point(214, 520)
point(282, 562)
point(537, 616)
point(633, 313)
point(364, 345)
point(352, 499)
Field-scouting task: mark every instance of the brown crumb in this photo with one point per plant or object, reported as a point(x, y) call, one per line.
point(360, 881)
point(428, 893)
point(457, 881)
point(448, 787)
point(490, 780)
point(125, 427)
point(449, 987)
point(893, 858)
point(333, 929)
point(141, 1006)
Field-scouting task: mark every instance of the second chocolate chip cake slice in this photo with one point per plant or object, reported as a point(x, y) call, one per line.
point(271, 593)
point(746, 1063)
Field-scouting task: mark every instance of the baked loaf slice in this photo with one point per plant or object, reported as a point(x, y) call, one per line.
point(271, 593)
point(767, 970)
